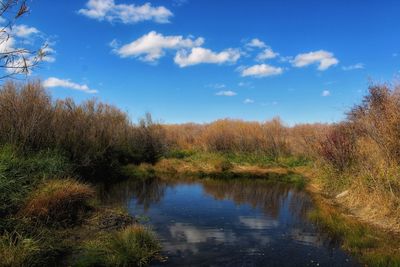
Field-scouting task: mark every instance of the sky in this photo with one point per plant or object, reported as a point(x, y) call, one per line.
point(200, 60)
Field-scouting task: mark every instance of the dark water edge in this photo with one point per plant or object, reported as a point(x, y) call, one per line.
point(239, 222)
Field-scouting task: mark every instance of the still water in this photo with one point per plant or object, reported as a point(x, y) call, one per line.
point(228, 223)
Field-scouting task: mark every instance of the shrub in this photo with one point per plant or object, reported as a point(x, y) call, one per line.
point(148, 141)
point(339, 147)
point(94, 136)
point(133, 246)
point(57, 201)
point(26, 113)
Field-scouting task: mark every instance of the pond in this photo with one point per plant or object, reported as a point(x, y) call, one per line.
point(239, 222)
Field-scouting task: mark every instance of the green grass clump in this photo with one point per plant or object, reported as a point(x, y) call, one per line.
point(19, 174)
point(292, 162)
point(179, 154)
point(135, 245)
point(142, 171)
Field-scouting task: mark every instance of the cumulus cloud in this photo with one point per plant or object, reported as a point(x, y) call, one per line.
point(226, 93)
point(354, 67)
point(267, 53)
point(24, 31)
point(65, 83)
point(248, 101)
point(326, 93)
point(150, 47)
point(323, 58)
point(261, 70)
point(256, 43)
point(109, 11)
point(198, 55)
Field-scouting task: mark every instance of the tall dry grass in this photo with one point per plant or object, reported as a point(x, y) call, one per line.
point(270, 138)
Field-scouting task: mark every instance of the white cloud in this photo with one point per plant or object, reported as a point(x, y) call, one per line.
point(7, 43)
point(150, 47)
point(127, 14)
point(261, 70)
point(226, 93)
point(24, 31)
point(199, 55)
point(248, 101)
point(56, 82)
point(326, 93)
point(323, 58)
point(268, 53)
point(354, 67)
point(48, 54)
point(256, 43)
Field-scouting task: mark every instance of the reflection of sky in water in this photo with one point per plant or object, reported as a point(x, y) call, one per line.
point(216, 223)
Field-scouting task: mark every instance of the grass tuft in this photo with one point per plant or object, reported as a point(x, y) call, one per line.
point(58, 201)
point(135, 245)
point(16, 250)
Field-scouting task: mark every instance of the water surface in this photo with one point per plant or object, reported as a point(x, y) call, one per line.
point(239, 222)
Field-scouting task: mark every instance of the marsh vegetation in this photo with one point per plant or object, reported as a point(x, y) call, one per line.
point(56, 154)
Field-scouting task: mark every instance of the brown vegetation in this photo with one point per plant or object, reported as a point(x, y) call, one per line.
point(58, 201)
point(270, 138)
point(93, 135)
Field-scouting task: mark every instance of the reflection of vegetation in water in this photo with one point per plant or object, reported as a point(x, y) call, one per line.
point(146, 192)
point(258, 193)
point(367, 243)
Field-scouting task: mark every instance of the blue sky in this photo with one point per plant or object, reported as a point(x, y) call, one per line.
point(200, 60)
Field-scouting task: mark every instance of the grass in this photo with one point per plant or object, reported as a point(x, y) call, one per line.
point(142, 171)
point(232, 166)
point(40, 249)
point(135, 245)
point(57, 202)
point(372, 246)
point(16, 250)
point(20, 174)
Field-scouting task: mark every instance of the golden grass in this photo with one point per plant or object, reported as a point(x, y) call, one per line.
point(57, 201)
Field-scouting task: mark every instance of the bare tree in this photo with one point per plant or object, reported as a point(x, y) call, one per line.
point(14, 60)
